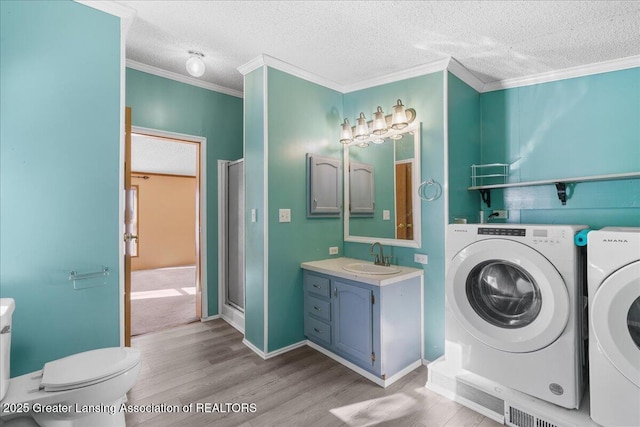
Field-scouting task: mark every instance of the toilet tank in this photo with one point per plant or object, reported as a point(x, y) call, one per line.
point(7, 305)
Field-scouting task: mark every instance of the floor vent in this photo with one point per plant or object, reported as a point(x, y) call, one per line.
point(518, 418)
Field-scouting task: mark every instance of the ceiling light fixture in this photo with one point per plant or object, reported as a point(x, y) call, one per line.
point(381, 127)
point(195, 64)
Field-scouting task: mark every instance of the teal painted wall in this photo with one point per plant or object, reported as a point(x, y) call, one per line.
point(303, 117)
point(426, 95)
point(464, 148)
point(254, 164)
point(59, 163)
point(168, 105)
point(569, 128)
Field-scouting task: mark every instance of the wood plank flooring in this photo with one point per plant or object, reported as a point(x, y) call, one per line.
point(206, 363)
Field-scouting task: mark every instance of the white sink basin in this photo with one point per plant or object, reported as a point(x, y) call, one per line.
point(367, 268)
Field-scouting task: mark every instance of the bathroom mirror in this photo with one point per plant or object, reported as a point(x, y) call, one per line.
point(380, 191)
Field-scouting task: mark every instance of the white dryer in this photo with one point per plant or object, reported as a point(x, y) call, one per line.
point(515, 307)
point(614, 325)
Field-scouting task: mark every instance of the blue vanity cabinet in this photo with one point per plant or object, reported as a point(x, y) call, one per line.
point(352, 309)
point(376, 328)
point(317, 308)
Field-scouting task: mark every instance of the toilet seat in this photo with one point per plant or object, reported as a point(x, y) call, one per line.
point(87, 368)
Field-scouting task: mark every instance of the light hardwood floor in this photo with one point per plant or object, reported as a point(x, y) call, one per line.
point(207, 363)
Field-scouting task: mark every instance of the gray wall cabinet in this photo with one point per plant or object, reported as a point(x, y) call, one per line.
point(324, 186)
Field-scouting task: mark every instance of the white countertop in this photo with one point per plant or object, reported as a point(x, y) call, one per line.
point(334, 267)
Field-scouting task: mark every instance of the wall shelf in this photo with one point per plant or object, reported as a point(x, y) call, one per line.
point(561, 184)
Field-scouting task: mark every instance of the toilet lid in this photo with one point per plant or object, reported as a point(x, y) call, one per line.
point(89, 367)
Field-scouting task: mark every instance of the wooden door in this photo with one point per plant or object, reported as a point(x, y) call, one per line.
point(128, 236)
point(404, 202)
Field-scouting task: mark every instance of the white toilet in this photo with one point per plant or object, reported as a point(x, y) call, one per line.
point(85, 389)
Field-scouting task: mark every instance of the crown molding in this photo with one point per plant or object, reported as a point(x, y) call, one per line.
point(126, 14)
point(431, 67)
point(182, 79)
point(270, 61)
point(461, 72)
point(252, 65)
point(567, 73)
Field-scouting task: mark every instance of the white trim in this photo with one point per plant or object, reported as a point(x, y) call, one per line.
point(222, 230)
point(252, 65)
point(461, 72)
point(265, 212)
point(125, 13)
point(269, 61)
point(368, 375)
point(567, 73)
point(420, 70)
point(422, 317)
point(182, 79)
point(121, 183)
point(203, 201)
point(445, 184)
point(286, 349)
point(466, 402)
point(233, 317)
point(253, 348)
point(210, 318)
point(425, 362)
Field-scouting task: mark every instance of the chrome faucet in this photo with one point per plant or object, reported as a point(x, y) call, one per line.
point(379, 259)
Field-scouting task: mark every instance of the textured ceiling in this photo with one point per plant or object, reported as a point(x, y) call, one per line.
point(348, 42)
point(159, 155)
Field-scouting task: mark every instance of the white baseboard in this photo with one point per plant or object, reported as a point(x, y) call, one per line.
point(271, 354)
point(368, 375)
point(210, 318)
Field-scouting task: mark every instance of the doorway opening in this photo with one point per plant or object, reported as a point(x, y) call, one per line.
point(231, 281)
point(166, 199)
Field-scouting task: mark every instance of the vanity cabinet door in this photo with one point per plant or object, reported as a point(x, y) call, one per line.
point(353, 322)
point(361, 189)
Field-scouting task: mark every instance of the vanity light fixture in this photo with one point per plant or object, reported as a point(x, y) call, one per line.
point(195, 64)
point(362, 128)
point(346, 137)
point(382, 126)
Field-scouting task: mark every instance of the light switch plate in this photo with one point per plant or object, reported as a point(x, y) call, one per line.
point(254, 215)
point(285, 215)
point(386, 215)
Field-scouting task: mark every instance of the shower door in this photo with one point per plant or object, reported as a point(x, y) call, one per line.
point(235, 234)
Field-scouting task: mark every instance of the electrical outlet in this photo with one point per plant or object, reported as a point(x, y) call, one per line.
point(333, 250)
point(500, 214)
point(421, 258)
point(285, 215)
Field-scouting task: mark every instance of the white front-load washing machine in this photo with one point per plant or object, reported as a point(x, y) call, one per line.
point(515, 307)
point(614, 326)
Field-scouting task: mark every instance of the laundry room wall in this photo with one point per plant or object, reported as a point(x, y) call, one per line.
point(569, 128)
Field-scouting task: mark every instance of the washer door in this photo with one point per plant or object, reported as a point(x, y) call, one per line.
point(615, 320)
point(507, 295)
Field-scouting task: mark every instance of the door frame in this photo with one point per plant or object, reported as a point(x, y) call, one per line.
point(229, 314)
point(202, 209)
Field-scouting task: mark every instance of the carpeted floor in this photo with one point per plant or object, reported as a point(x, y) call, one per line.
point(162, 299)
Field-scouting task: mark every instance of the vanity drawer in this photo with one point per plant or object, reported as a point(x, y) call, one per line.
point(317, 329)
point(317, 307)
point(317, 285)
